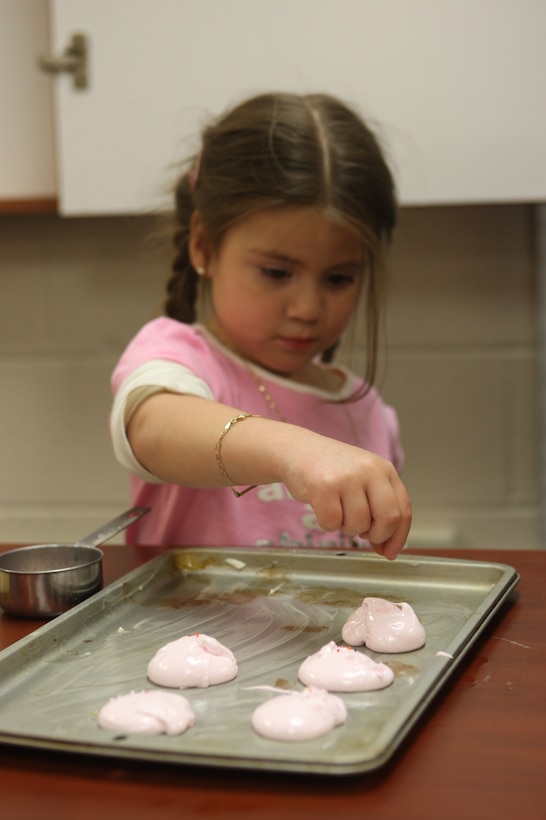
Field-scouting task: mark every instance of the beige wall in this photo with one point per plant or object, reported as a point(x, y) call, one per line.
point(463, 372)
point(461, 369)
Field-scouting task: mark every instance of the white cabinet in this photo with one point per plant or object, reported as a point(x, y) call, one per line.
point(456, 88)
point(27, 168)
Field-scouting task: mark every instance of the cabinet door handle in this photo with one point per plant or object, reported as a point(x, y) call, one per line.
point(73, 60)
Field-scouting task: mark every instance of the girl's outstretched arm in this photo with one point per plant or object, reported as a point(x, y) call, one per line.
point(350, 489)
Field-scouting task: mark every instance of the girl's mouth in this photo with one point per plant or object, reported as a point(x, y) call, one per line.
point(296, 343)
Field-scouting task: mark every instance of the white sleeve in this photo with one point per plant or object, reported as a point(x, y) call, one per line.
point(156, 376)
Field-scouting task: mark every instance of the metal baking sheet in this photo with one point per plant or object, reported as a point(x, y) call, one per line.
point(272, 608)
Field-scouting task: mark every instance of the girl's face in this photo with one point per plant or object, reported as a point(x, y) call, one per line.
point(284, 285)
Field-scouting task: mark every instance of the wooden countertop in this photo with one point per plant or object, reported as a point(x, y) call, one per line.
point(478, 753)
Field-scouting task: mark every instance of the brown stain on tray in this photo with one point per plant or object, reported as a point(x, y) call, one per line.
point(403, 670)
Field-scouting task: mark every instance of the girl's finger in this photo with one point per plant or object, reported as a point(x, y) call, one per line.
point(391, 511)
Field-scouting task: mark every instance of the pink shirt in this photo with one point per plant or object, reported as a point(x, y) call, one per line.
point(268, 515)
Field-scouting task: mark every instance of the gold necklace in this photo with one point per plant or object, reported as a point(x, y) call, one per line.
point(261, 387)
point(267, 395)
point(268, 398)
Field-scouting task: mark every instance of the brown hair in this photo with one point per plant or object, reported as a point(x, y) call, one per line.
point(287, 150)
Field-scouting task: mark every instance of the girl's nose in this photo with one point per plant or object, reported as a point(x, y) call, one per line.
point(305, 302)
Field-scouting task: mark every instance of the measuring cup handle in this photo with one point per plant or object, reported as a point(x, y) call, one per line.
point(107, 531)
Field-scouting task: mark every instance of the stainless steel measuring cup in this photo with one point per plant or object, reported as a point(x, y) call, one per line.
point(43, 580)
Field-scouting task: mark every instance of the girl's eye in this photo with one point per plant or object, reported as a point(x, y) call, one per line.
point(340, 280)
point(275, 273)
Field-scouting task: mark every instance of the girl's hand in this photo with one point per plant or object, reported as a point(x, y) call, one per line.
point(351, 490)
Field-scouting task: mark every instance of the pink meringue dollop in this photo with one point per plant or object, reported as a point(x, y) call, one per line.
point(194, 660)
point(343, 669)
point(299, 715)
point(384, 626)
point(148, 712)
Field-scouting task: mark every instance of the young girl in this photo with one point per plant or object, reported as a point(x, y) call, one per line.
point(235, 426)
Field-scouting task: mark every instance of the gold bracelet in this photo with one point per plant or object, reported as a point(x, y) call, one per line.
point(218, 452)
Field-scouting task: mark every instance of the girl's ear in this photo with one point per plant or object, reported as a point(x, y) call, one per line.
point(198, 244)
